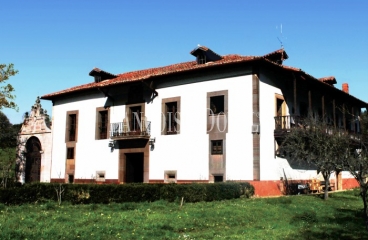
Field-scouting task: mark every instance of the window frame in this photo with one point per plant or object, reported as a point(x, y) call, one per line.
point(221, 108)
point(215, 144)
point(168, 176)
point(100, 176)
point(98, 133)
point(70, 153)
point(71, 126)
point(164, 119)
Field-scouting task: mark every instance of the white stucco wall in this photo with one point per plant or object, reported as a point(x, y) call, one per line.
point(188, 152)
point(91, 155)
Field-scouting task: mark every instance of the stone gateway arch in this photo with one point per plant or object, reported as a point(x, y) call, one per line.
point(34, 146)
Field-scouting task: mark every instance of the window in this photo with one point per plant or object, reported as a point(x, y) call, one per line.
point(97, 79)
point(70, 178)
point(217, 112)
point(170, 176)
point(102, 127)
point(72, 126)
point(135, 119)
point(216, 147)
point(201, 58)
point(70, 153)
point(170, 116)
point(218, 178)
point(217, 105)
point(71, 131)
point(100, 176)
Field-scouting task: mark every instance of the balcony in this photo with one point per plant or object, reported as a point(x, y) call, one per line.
point(130, 130)
point(284, 124)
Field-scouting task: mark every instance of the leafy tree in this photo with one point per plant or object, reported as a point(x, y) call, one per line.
point(8, 144)
point(8, 133)
point(356, 161)
point(316, 145)
point(6, 92)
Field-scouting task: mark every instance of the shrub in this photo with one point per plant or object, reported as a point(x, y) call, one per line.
point(137, 192)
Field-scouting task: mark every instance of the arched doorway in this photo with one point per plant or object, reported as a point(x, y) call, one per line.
point(33, 161)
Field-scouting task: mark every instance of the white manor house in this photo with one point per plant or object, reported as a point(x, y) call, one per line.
point(217, 118)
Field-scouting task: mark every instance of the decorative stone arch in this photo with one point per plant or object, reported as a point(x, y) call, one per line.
point(33, 162)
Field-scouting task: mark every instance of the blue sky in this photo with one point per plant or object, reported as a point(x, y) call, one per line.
point(55, 44)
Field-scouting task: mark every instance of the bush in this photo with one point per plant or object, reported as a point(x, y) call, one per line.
point(137, 192)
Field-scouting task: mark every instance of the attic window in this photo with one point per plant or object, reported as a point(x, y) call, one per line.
point(204, 55)
point(100, 75)
point(97, 79)
point(201, 59)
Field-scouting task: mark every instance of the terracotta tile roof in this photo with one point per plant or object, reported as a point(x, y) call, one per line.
point(141, 75)
point(152, 72)
point(277, 56)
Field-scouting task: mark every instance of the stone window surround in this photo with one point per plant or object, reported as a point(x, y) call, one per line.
point(97, 133)
point(168, 178)
point(163, 113)
point(68, 113)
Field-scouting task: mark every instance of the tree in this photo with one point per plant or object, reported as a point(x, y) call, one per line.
point(6, 92)
point(356, 161)
point(8, 144)
point(316, 145)
point(8, 133)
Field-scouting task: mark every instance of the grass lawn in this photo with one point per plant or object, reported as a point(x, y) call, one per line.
point(295, 217)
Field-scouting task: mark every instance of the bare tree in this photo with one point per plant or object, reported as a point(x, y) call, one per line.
point(59, 189)
point(316, 145)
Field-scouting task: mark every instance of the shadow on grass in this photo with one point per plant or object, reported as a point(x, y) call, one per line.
point(343, 224)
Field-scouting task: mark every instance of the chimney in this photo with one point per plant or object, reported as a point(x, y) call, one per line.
point(345, 87)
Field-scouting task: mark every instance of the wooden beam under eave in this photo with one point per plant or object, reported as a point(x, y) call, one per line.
point(295, 107)
point(323, 108)
point(310, 102)
point(353, 119)
point(334, 112)
point(343, 115)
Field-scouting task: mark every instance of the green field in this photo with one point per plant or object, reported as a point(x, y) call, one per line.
point(294, 217)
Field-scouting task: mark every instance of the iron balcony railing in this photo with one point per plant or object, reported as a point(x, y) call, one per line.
point(130, 129)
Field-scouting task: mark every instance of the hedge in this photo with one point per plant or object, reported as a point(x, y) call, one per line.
point(119, 193)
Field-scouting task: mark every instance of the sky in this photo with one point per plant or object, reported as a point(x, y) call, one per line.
point(55, 44)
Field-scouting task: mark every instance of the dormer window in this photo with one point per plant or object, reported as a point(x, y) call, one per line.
point(205, 55)
point(278, 56)
point(97, 79)
point(100, 75)
point(201, 59)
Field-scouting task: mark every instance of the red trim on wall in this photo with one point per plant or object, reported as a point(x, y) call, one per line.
point(107, 181)
point(57, 180)
point(86, 180)
point(276, 188)
point(178, 181)
point(192, 181)
point(156, 181)
point(349, 183)
point(262, 188)
point(267, 188)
